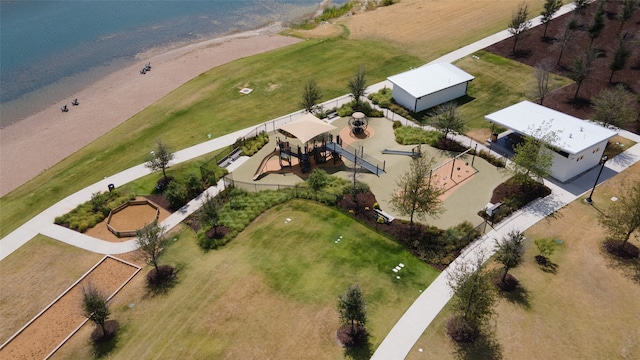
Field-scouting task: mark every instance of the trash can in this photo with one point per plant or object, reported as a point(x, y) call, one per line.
point(111, 187)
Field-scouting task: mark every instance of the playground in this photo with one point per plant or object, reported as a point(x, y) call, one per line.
point(467, 180)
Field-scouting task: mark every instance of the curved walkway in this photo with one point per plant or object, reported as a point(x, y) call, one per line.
point(417, 318)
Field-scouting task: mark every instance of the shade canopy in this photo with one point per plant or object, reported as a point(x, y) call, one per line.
point(306, 128)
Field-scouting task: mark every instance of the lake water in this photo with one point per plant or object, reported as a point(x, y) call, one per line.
point(50, 49)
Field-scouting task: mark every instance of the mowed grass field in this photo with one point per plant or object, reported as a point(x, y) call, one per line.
point(271, 293)
point(588, 309)
point(208, 104)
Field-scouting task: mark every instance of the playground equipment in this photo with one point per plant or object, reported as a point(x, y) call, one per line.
point(415, 152)
point(358, 123)
point(337, 149)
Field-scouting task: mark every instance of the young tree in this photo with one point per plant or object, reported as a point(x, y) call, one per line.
point(317, 179)
point(580, 68)
point(620, 56)
point(358, 85)
point(581, 6)
point(532, 157)
point(415, 195)
point(160, 158)
point(550, 8)
point(510, 250)
point(151, 240)
point(447, 119)
point(614, 107)
point(311, 94)
point(622, 219)
point(519, 24)
point(209, 214)
point(94, 306)
point(473, 301)
point(628, 7)
point(572, 26)
point(352, 309)
point(541, 73)
point(597, 25)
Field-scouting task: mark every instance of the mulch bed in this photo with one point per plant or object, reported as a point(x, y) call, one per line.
point(533, 49)
point(509, 284)
point(524, 194)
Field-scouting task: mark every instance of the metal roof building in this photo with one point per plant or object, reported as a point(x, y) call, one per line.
point(430, 85)
point(580, 144)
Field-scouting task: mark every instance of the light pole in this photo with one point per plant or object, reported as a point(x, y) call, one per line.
point(602, 162)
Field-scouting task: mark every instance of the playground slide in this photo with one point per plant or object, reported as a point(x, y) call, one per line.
point(263, 163)
point(332, 146)
point(400, 152)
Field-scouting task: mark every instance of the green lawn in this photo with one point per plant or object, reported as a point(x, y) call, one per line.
point(270, 293)
point(208, 104)
point(498, 83)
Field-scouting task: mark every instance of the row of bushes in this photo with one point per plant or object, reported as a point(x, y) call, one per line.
point(94, 211)
point(440, 247)
point(253, 145)
point(384, 99)
point(334, 12)
point(364, 107)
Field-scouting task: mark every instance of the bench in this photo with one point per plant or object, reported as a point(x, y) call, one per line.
point(332, 114)
point(387, 218)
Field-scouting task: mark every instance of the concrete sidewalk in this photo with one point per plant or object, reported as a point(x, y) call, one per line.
point(402, 337)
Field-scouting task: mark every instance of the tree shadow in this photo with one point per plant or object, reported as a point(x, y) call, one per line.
point(359, 352)
point(630, 267)
point(549, 267)
point(485, 347)
point(162, 287)
point(520, 296)
point(103, 347)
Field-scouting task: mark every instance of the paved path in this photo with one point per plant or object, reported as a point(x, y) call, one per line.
point(417, 318)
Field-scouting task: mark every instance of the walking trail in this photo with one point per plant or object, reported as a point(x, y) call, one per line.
point(417, 318)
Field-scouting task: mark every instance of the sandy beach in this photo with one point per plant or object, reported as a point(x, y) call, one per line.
point(38, 142)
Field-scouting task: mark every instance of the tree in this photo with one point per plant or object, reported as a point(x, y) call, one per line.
point(473, 301)
point(572, 25)
point(415, 195)
point(541, 73)
point(620, 57)
point(160, 158)
point(550, 8)
point(581, 6)
point(519, 23)
point(151, 240)
point(614, 107)
point(597, 25)
point(447, 120)
point(628, 7)
point(352, 308)
point(533, 156)
point(94, 306)
point(510, 250)
point(209, 215)
point(317, 179)
point(622, 219)
point(357, 86)
point(310, 96)
point(580, 68)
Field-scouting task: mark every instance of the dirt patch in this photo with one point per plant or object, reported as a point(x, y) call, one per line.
point(58, 321)
point(323, 30)
point(100, 231)
point(348, 137)
point(133, 217)
point(533, 49)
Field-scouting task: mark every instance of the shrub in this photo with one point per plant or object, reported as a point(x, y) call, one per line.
point(411, 135)
point(349, 108)
point(334, 12)
point(396, 124)
point(491, 159)
point(376, 206)
point(94, 211)
point(381, 98)
point(176, 194)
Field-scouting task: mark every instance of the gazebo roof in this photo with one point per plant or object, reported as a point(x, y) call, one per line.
point(306, 128)
point(573, 135)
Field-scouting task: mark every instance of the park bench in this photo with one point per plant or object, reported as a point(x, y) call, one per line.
point(387, 218)
point(332, 114)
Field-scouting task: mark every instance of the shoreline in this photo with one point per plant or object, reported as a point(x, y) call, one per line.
point(39, 141)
